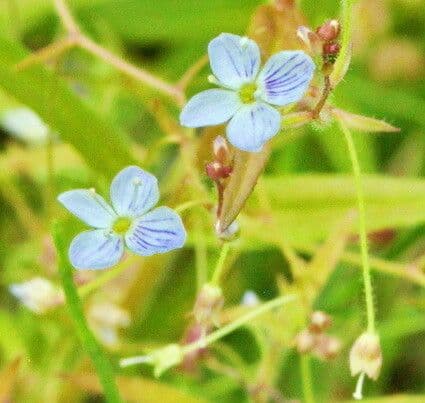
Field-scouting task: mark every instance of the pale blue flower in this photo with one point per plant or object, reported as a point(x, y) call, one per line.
point(248, 97)
point(129, 222)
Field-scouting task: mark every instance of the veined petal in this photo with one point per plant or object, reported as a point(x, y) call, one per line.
point(96, 249)
point(234, 60)
point(134, 191)
point(158, 231)
point(285, 77)
point(252, 126)
point(210, 107)
point(89, 207)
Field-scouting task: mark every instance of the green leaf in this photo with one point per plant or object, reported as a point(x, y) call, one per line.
point(104, 147)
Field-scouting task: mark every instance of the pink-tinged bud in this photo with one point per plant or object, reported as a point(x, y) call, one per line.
point(331, 49)
point(319, 322)
point(327, 347)
point(329, 31)
point(310, 39)
point(216, 171)
point(221, 150)
point(366, 356)
point(208, 305)
point(305, 342)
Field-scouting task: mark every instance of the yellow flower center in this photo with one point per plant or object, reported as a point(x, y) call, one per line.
point(121, 225)
point(247, 93)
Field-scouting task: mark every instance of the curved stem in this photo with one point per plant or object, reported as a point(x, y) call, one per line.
point(101, 363)
point(362, 229)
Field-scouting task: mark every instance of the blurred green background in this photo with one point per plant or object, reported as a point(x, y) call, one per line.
point(101, 121)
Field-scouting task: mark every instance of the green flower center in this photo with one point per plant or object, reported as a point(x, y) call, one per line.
point(121, 225)
point(247, 93)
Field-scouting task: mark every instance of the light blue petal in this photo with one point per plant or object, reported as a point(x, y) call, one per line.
point(285, 77)
point(252, 126)
point(96, 249)
point(210, 107)
point(134, 191)
point(234, 60)
point(158, 231)
point(89, 207)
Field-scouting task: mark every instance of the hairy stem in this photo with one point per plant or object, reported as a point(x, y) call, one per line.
point(362, 229)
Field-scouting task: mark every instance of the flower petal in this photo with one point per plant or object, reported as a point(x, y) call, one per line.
point(210, 107)
point(285, 77)
point(234, 60)
point(252, 126)
point(158, 231)
point(96, 249)
point(89, 207)
point(134, 191)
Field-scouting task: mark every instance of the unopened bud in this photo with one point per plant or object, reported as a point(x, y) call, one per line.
point(38, 294)
point(366, 356)
point(329, 31)
point(305, 342)
point(216, 171)
point(310, 39)
point(221, 150)
point(230, 233)
point(331, 49)
point(208, 305)
point(327, 347)
point(319, 322)
point(250, 299)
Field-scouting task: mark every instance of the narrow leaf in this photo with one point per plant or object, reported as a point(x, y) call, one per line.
point(363, 123)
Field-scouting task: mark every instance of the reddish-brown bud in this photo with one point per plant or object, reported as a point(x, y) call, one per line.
point(216, 171)
point(329, 31)
point(319, 322)
point(331, 49)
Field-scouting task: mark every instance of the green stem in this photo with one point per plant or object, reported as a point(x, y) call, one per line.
point(101, 363)
point(362, 229)
point(225, 330)
point(306, 378)
point(219, 269)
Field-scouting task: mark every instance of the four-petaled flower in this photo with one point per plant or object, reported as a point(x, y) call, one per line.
point(248, 97)
point(131, 221)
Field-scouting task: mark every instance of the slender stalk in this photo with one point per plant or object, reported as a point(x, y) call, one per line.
point(225, 330)
point(307, 382)
point(220, 267)
point(362, 229)
point(101, 363)
point(131, 70)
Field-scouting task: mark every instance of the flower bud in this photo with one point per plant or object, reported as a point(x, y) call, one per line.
point(38, 294)
point(221, 150)
point(208, 305)
point(327, 347)
point(305, 342)
point(310, 39)
point(216, 171)
point(329, 31)
point(250, 299)
point(319, 322)
point(366, 356)
point(230, 233)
